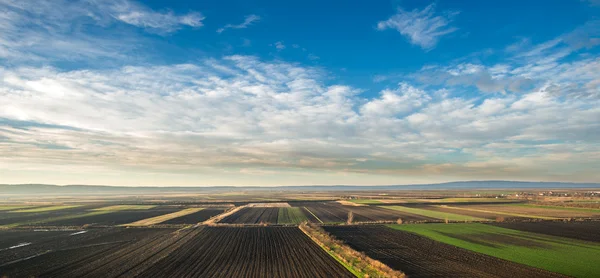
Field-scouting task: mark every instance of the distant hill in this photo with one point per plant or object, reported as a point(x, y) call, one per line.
point(31, 189)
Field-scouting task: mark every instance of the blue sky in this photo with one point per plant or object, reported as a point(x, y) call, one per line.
point(130, 92)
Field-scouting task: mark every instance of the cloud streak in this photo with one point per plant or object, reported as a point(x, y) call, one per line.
point(422, 27)
point(247, 22)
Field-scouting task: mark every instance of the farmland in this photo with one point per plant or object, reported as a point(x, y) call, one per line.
point(290, 216)
point(267, 251)
point(464, 210)
point(419, 256)
point(243, 234)
point(436, 214)
point(582, 230)
point(253, 216)
point(336, 213)
point(196, 217)
point(532, 211)
point(76, 254)
point(557, 254)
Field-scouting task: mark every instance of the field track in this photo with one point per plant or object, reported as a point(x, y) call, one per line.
point(418, 256)
point(249, 252)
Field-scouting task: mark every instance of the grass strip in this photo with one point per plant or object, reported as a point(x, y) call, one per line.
point(4, 208)
point(44, 209)
point(163, 218)
point(52, 219)
point(366, 201)
point(124, 207)
point(357, 263)
point(436, 214)
point(557, 254)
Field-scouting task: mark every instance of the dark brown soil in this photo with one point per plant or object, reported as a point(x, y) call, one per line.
point(253, 216)
point(197, 217)
point(418, 256)
point(583, 230)
point(497, 240)
point(331, 212)
point(114, 218)
point(249, 252)
point(76, 255)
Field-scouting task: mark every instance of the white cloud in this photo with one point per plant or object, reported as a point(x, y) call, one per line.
point(40, 31)
point(247, 22)
point(243, 113)
point(393, 102)
point(279, 45)
point(421, 27)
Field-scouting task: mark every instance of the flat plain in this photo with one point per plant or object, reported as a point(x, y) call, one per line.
point(256, 234)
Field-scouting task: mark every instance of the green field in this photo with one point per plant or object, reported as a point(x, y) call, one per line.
point(124, 207)
point(436, 214)
point(473, 199)
point(567, 256)
point(290, 216)
point(44, 209)
point(366, 201)
point(51, 219)
point(5, 208)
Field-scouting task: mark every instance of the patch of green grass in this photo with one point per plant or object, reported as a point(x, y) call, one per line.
point(124, 207)
point(560, 208)
point(290, 216)
point(52, 219)
point(4, 208)
point(366, 201)
point(436, 214)
point(44, 209)
point(567, 256)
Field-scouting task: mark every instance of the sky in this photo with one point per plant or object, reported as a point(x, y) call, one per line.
point(200, 93)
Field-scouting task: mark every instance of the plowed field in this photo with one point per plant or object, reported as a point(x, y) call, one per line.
point(419, 256)
point(248, 252)
point(253, 216)
point(584, 230)
point(336, 213)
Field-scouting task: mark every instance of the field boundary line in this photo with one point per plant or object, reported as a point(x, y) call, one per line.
point(213, 220)
point(332, 254)
point(360, 264)
point(313, 215)
point(506, 213)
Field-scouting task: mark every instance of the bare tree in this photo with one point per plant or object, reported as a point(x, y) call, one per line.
point(350, 217)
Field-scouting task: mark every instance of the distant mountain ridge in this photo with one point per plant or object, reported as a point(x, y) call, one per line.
point(104, 189)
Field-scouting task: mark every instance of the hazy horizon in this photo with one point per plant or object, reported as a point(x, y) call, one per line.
point(139, 93)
